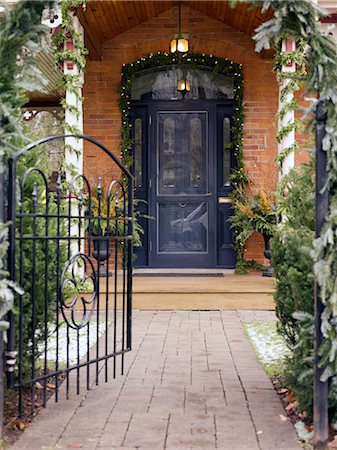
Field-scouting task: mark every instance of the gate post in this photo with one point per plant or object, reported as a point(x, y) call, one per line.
point(2, 220)
point(322, 202)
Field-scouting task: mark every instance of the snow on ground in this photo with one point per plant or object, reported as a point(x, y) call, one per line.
point(271, 351)
point(62, 342)
point(270, 347)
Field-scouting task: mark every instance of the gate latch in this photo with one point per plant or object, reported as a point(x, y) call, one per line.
point(10, 361)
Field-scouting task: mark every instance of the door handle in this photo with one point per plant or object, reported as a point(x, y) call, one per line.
point(225, 200)
point(209, 194)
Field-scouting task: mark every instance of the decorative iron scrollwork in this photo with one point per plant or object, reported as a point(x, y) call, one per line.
point(76, 308)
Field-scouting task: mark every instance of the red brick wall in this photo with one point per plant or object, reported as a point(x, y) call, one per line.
point(101, 111)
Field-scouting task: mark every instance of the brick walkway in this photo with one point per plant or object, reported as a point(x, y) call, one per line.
point(192, 381)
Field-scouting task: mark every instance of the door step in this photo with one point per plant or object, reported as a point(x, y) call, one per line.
point(182, 272)
point(230, 292)
point(179, 274)
point(203, 301)
point(204, 293)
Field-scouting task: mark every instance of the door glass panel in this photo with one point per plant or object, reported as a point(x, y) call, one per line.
point(182, 153)
point(183, 227)
point(196, 178)
point(226, 150)
point(168, 172)
point(161, 84)
point(138, 152)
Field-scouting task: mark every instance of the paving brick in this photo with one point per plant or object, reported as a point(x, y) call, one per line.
point(204, 393)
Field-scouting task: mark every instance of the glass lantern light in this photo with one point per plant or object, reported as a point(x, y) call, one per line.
point(184, 86)
point(180, 42)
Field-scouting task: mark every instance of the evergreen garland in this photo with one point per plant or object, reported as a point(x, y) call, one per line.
point(20, 34)
point(292, 82)
point(239, 177)
point(299, 19)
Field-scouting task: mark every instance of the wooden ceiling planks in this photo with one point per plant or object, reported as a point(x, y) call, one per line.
point(114, 19)
point(103, 19)
point(242, 17)
point(223, 11)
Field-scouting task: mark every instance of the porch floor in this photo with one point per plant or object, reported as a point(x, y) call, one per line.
point(192, 381)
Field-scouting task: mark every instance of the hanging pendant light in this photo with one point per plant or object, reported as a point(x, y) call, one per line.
point(180, 42)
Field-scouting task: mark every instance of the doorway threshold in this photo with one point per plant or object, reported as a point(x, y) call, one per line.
point(171, 272)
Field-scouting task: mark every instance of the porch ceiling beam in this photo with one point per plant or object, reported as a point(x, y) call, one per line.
point(93, 42)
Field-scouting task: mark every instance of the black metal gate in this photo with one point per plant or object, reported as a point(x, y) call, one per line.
point(71, 253)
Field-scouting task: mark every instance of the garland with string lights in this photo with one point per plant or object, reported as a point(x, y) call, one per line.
point(239, 178)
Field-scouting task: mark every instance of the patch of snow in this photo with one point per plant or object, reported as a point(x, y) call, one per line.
point(303, 434)
point(62, 342)
point(269, 345)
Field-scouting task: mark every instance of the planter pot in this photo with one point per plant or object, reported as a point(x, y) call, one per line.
point(101, 253)
point(268, 272)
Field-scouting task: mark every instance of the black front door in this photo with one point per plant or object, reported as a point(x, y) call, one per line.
point(182, 196)
point(182, 185)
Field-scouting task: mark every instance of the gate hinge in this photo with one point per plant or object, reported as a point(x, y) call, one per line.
point(150, 120)
point(10, 361)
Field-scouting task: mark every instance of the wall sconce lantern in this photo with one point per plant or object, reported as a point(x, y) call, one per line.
point(180, 41)
point(184, 86)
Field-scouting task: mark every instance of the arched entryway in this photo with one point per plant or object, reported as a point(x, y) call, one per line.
point(182, 160)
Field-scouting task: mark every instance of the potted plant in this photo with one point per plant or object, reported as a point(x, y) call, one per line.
point(256, 212)
point(100, 226)
point(104, 220)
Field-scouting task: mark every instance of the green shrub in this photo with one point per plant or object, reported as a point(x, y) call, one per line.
point(291, 249)
point(293, 266)
point(45, 286)
point(294, 293)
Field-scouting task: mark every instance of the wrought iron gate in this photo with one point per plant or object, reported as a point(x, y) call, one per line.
point(71, 253)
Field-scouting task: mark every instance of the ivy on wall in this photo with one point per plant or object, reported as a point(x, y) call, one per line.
point(130, 71)
point(299, 20)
